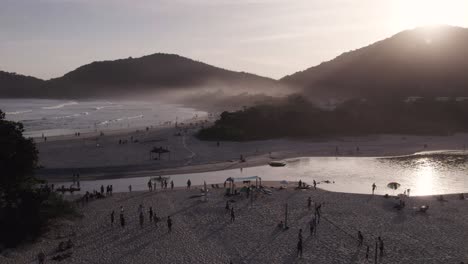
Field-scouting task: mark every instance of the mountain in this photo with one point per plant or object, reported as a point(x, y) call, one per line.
point(427, 62)
point(148, 74)
point(16, 85)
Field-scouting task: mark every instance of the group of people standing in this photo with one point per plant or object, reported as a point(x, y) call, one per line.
point(163, 182)
point(141, 217)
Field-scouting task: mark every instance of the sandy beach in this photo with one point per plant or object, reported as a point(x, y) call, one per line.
point(102, 157)
point(203, 233)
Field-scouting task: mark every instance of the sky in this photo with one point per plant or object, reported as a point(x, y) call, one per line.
point(273, 38)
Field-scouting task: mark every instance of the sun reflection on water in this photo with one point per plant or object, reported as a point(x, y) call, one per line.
point(425, 177)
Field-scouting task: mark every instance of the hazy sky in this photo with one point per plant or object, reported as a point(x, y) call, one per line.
point(47, 38)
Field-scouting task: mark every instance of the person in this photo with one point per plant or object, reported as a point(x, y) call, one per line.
point(189, 183)
point(130, 188)
point(165, 184)
point(233, 216)
point(151, 214)
point(102, 189)
point(300, 234)
point(299, 248)
point(309, 202)
point(141, 219)
point(312, 226)
point(41, 257)
point(360, 238)
point(150, 186)
point(122, 219)
point(172, 185)
point(367, 253)
point(317, 212)
point(381, 246)
point(373, 188)
point(169, 224)
point(408, 192)
point(300, 183)
point(315, 185)
point(112, 217)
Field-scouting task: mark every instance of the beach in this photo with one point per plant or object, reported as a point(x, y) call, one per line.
point(202, 230)
point(102, 157)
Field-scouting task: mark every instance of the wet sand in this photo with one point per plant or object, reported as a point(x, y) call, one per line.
point(101, 157)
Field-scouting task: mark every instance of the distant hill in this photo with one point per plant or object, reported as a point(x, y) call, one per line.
point(153, 73)
point(428, 62)
point(16, 85)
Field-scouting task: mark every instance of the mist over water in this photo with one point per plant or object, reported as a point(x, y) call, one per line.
point(64, 117)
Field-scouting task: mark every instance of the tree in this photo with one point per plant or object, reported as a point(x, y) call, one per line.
point(20, 201)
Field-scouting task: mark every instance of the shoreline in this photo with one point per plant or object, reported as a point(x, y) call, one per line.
point(64, 156)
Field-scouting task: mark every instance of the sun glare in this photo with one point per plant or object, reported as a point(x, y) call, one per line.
point(416, 13)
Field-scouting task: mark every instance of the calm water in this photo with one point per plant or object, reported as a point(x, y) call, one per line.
point(62, 117)
point(422, 175)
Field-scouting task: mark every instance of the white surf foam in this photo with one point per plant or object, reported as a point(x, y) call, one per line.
point(60, 105)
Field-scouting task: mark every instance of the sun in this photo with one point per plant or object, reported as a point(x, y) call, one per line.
point(416, 13)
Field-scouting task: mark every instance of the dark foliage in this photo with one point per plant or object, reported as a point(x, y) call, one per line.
point(24, 208)
point(297, 117)
point(16, 85)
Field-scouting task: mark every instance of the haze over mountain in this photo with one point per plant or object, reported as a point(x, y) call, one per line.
point(140, 76)
point(428, 62)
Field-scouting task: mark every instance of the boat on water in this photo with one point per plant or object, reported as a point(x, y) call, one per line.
point(277, 164)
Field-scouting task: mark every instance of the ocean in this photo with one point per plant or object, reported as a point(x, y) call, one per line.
point(64, 117)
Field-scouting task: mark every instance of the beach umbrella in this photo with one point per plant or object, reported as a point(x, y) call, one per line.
point(159, 151)
point(393, 185)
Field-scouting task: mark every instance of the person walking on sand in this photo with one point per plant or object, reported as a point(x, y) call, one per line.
point(312, 226)
point(373, 188)
point(130, 188)
point(315, 185)
point(233, 216)
point(299, 248)
point(360, 238)
point(172, 185)
point(169, 224)
point(122, 219)
point(189, 183)
point(381, 246)
point(141, 219)
point(151, 214)
point(150, 186)
point(112, 218)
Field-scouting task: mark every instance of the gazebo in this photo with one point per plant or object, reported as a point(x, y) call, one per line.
point(232, 180)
